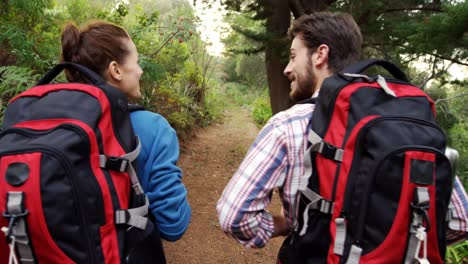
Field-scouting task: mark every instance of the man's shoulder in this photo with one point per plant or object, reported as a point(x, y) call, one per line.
point(296, 113)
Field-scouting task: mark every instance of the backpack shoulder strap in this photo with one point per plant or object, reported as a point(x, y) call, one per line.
point(365, 64)
point(135, 107)
point(311, 100)
point(93, 77)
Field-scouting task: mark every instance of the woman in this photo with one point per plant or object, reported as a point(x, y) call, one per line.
point(108, 50)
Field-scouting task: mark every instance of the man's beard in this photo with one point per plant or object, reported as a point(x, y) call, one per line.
point(305, 86)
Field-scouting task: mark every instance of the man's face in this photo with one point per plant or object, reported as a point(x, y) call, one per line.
point(300, 71)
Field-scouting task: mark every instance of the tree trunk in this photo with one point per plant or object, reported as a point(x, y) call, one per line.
point(277, 24)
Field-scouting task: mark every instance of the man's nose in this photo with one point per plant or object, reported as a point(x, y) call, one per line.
point(287, 71)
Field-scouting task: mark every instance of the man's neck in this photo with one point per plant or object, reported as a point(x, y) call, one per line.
point(321, 76)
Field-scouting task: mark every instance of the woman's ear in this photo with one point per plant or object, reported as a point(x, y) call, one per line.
point(114, 71)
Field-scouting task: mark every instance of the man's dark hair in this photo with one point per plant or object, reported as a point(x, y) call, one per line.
point(338, 31)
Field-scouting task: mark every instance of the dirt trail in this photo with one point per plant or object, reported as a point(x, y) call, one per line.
point(208, 162)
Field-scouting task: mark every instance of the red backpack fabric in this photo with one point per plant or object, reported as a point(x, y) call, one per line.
point(380, 182)
point(68, 190)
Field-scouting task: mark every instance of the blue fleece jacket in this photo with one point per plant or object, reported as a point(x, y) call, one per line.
point(159, 175)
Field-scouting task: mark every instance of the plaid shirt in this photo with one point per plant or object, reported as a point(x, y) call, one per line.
point(275, 160)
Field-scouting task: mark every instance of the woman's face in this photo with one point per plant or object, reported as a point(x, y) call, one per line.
point(130, 72)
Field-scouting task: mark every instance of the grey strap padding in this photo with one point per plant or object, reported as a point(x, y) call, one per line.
point(311, 195)
point(306, 220)
point(126, 159)
point(449, 214)
point(417, 237)
point(127, 166)
point(134, 179)
point(22, 242)
point(381, 81)
point(313, 137)
point(135, 217)
point(339, 155)
point(317, 145)
point(307, 166)
point(354, 255)
point(356, 75)
point(422, 196)
point(317, 202)
point(131, 156)
point(340, 236)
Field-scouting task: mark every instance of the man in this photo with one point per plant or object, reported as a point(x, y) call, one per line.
point(322, 44)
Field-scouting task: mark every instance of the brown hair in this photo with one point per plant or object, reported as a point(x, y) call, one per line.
point(338, 31)
point(94, 46)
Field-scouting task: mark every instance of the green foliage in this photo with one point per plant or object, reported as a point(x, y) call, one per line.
point(452, 116)
point(14, 79)
point(174, 83)
point(261, 110)
point(457, 253)
point(247, 36)
point(250, 69)
point(445, 117)
point(215, 102)
point(21, 27)
point(257, 101)
point(241, 94)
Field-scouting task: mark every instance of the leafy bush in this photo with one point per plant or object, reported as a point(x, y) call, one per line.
point(240, 93)
point(177, 74)
point(214, 105)
point(262, 110)
point(257, 101)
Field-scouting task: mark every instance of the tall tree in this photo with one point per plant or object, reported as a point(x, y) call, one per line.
point(276, 15)
point(402, 31)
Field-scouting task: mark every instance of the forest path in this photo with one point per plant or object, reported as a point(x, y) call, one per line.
point(208, 161)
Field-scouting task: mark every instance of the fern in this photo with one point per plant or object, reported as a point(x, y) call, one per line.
point(15, 79)
point(457, 253)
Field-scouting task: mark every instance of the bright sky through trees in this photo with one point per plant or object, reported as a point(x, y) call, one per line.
point(211, 25)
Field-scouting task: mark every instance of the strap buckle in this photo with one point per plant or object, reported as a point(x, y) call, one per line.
point(422, 211)
point(421, 205)
point(12, 221)
point(329, 151)
point(325, 206)
point(116, 163)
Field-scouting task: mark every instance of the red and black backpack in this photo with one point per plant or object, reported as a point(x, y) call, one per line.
point(68, 190)
point(380, 182)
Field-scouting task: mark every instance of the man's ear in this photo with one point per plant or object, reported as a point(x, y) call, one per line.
point(321, 55)
point(114, 71)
